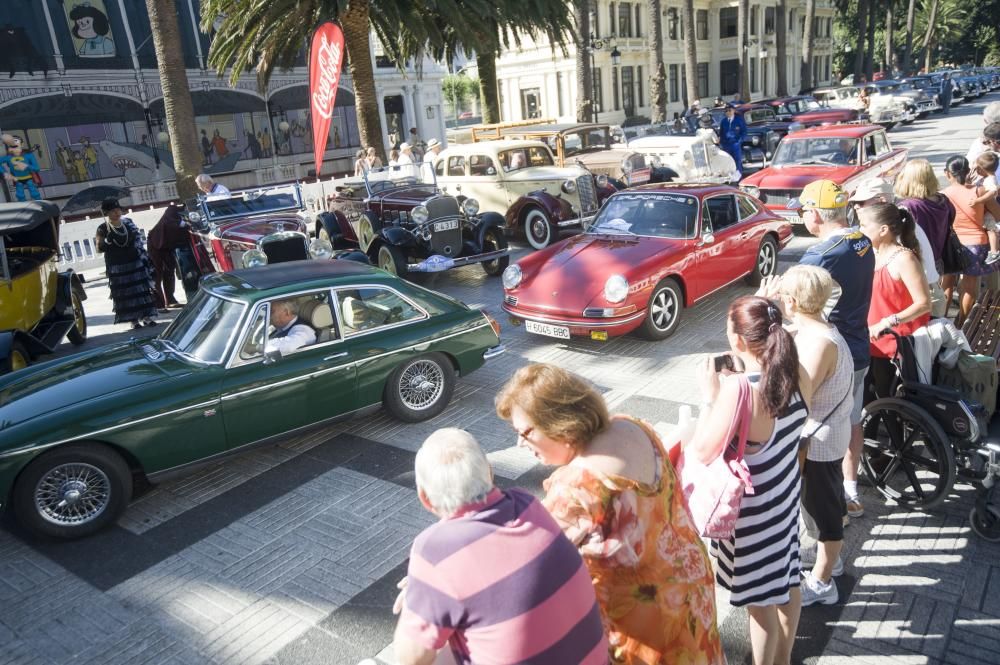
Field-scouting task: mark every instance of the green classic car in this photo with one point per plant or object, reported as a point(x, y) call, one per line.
point(76, 432)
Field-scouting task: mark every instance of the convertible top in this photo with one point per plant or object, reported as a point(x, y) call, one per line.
point(16, 217)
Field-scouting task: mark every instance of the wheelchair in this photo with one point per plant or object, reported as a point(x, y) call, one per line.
point(923, 437)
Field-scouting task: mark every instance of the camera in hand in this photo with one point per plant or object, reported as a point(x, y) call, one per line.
point(724, 361)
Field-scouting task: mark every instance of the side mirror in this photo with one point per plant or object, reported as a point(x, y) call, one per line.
point(272, 356)
point(707, 238)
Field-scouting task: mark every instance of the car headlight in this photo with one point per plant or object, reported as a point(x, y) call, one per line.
point(626, 166)
point(254, 258)
point(420, 214)
point(615, 289)
point(755, 139)
point(320, 248)
point(751, 190)
point(569, 186)
point(511, 276)
point(194, 217)
point(602, 180)
point(470, 207)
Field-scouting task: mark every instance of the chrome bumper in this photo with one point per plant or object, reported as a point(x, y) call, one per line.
point(582, 220)
point(437, 263)
point(493, 352)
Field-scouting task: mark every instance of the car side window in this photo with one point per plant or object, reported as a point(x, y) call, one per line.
point(311, 310)
point(747, 207)
point(368, 309)
point(869, 148)
point(881, 144)
point(456, 165)
point(723, 211)
point(252, 346)
point(481, 165)
point(439, 169)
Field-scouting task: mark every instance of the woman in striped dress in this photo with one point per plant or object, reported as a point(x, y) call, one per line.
point(130, 272)
point(759, 565)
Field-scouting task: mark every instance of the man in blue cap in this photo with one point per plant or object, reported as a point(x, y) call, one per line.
point(732, 131)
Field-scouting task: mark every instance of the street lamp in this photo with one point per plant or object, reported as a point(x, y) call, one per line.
point(616, 58)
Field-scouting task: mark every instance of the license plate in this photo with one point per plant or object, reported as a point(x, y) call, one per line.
point(446, 226)
point(562, 332)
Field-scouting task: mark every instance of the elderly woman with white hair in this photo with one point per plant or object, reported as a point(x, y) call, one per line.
point(208, 185)
point(489, 545)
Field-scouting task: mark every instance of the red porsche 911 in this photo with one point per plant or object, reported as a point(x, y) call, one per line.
point(650, 252)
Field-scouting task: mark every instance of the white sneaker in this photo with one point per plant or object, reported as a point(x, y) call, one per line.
point(992, 258)
point(807, 559)
point(814, 591)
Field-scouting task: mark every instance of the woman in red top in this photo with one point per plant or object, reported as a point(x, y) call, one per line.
point(901, 299)
point(969, 228)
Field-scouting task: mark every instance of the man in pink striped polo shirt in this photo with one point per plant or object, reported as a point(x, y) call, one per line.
point(495, 578)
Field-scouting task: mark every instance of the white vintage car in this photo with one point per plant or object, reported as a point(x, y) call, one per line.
point(884, 110)
point(693, 158)
point(519, 180)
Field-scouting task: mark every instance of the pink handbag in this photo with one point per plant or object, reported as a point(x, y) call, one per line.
point(714, 491)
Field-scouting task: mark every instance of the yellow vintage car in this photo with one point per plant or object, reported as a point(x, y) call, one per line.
point(39, 305)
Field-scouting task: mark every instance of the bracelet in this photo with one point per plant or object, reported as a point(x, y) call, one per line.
point(893, 320)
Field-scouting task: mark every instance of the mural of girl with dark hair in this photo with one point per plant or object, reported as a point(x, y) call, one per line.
point(91, 25)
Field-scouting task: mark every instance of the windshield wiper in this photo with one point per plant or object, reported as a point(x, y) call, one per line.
point(613, 231)
point(809, 162)
point(173, 348)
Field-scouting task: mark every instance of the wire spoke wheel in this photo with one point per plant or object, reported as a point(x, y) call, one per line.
point(421, 385)
point(72, 494)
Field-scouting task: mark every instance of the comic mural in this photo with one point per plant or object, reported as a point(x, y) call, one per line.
point(91, 29)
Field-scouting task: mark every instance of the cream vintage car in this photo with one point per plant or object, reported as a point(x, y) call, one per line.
point(520, 180)
point(693, 158)
point(882, 110)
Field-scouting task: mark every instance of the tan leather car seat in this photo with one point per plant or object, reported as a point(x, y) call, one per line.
point(355, 314)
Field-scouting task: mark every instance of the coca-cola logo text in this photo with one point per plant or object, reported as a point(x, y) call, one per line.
point(328, 58)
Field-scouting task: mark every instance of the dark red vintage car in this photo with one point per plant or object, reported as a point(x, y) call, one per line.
point(845, 154)
point(806, 111)
point(652, 251)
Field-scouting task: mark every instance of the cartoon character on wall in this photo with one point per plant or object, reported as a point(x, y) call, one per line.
point(20, 168)
point(90, 28)
point(17, 53)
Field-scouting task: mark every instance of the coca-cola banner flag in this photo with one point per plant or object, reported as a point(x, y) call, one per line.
point(325, 58)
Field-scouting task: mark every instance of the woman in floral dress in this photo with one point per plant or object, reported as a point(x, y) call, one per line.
point(616, 497)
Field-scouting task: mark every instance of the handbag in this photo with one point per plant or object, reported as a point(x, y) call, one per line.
point(714, 491)
point(954, 258)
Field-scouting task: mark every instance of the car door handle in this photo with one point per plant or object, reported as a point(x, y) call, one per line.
point(342, 354)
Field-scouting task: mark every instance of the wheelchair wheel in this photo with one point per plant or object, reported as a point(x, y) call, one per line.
point(984, 518)
point(906, 454)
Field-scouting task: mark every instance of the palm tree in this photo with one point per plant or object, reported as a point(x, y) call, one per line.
point(805, 68)
point(859, 48)
point(780, 48)
point(889, 19)
point(690, 51)
point(584, 74)
point(658, 73)
point(743, 37)
point(908, 49)
point(176, 95)
point(929, 36)
point(870, 52)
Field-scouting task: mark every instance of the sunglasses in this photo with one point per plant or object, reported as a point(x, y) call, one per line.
point(525, 434)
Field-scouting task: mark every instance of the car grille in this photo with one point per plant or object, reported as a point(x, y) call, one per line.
point(285, 249)
point(588, 194)
point(510, 300)
point(779, 197)
point(443, 209)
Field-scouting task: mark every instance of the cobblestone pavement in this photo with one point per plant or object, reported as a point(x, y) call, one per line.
point(290, 555)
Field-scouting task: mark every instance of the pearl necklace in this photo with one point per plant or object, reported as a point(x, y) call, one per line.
point(119, 230)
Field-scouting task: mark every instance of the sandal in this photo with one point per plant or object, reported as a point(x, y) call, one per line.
point(149, 323)
point(136, 325)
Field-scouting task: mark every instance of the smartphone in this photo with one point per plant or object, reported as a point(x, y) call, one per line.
point(724, 361)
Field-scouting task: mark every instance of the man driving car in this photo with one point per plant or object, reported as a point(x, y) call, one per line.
point(848, 151)
point(289, 333)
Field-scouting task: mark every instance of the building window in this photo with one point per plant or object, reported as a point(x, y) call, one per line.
point(674, 95)
point(628, 91)
point(702, 23)
point(672, 23)
point(614, 87)
point(827, 77)
point(728, 22)
point(769, 20)
point(729, 76)
point(638, 85)
point(829, 27)
point(763, 76)
point(531, 103)
point(595, 19)
point(791, 21)
point(611, 19)
point(703, 79)
point(624, 19)
point(753, 20)
point(638, 23)
point(559, 93)
point(753, 75)
point(684, 85)
point(598, 91)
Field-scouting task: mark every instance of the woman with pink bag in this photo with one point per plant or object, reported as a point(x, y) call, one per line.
point(759, 563)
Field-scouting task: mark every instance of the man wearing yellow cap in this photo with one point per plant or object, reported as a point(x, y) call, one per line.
point(848, 255)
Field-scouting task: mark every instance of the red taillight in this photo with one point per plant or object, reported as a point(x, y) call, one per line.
point(493, 324)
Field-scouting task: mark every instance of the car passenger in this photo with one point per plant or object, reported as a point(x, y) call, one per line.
point(289, 332)
point(517, 161)
point(848, 151)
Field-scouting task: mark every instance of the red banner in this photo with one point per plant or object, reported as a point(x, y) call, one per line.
point(326, 55)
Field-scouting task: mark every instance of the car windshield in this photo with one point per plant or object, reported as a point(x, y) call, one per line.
point(588, 140)
point(761, 115)
point(400, 175)
point(203, 328)
point(661, 215)
point(825, 151)
point(521, 158)
point(252, 202)
point(920, 84)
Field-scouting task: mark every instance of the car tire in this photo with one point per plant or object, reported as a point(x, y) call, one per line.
point(765, 261)
point(77, 335)
point(420, 388)
point(663, 312)
point(98, 472)
point(392, 260)
point(538, 228)
point(493, 240)
point(19, 358)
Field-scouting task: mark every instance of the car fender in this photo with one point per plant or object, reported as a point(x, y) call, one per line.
point(336, 226)
point(663, 174)
point(397, 236)
point(352, 255)
point(487, 221)
point(33, 345)
point(67, 283)
point(555, 207)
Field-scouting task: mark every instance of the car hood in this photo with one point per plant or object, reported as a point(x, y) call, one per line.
point(797, 177)
point(252, 230)
point(573, 272)
point(612, 157)
point(545, 173)
point(59, 384)
point(407, 196)
point(822, 113)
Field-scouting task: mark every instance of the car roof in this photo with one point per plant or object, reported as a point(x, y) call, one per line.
point(557, 128)
point(845, 131)
point(16, 217)
point(496, 146)
point(288, 274)
point(692, 188)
